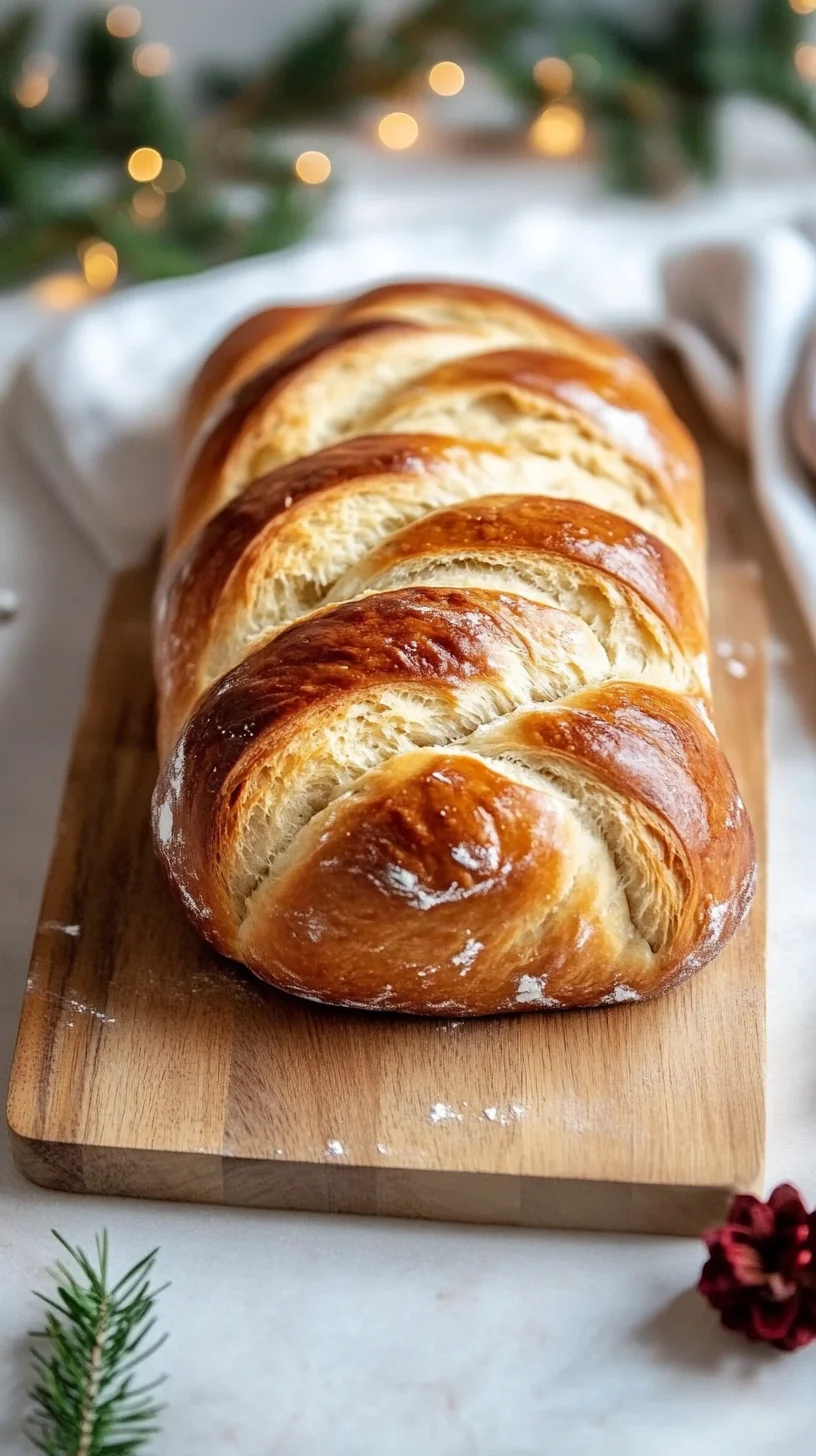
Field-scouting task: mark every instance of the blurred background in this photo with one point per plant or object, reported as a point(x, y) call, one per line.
point(149, 141)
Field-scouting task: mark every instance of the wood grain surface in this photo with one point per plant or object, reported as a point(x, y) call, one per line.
point(147, 1065)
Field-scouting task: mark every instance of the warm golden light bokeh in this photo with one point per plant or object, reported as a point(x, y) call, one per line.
point(100, 264)
point(123, 21)
point(446, 78)
point(553, 75)
point(804, 58)
point(172, 176)
point(31, 89)
point(803, 7)
point(398, 130)
point(313, 167)
point(558, 131)
point(61, 290)
point(145, 164)
point(149, 202)
point(153, 59)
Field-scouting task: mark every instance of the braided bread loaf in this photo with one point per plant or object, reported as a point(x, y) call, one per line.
point(432, 665)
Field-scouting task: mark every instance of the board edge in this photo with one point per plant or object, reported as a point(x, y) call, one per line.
point(431, 1195)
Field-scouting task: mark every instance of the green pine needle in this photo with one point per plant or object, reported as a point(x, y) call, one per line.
point(96, 1334)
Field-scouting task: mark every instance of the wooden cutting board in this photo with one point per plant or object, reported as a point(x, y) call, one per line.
point(147, 1065)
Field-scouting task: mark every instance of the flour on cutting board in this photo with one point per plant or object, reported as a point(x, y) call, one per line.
point(737, 657)
point(443, 1112)
point(71, 1004)
point(502, 1116)
point(499, 1114)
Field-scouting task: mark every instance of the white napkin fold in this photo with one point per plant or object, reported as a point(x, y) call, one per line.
point(742, 317)
point(92, 407)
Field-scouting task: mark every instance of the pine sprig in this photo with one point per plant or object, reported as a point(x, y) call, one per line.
point(64, 179)
point(95, 1337)
point(649, 97)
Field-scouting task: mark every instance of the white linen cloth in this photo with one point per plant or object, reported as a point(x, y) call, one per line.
point(743, 318)
point(92, 406)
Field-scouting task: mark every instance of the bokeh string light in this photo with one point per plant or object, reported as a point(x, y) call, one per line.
point(553, 74)
point(398, 130)
point(558, 131)
point(148, 203)
point(100, 264)
point(144, 164)
point(123, 22)
point(31, 89)
point(33, 85)
point(172, 175)
point(154, 58)
point(574, 86)
point(446, 78)
point(804, 59)
point(312, 168)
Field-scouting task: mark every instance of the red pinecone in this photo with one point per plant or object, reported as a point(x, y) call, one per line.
point(760, 1273)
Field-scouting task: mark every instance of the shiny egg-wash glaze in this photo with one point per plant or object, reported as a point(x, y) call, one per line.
point(432, 668)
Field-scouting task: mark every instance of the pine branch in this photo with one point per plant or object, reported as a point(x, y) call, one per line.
point(650, 98)
point(96, 1335)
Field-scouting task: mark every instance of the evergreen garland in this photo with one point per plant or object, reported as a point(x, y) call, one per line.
point(649, 100)
point(64, 178)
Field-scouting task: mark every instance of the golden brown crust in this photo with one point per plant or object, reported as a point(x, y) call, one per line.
point(211, 577)
point(443, 882)
point(455, 319)
point(245, 350)
point(464, 652)
point(442, 861)
point(534, 527)
point(258, 339)
point(624, 409)
point(202, 488)
point(453, 753)
point(215, 585)
point(448, 302)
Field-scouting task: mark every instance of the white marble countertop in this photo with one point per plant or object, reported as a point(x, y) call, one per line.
point(305, 1335)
